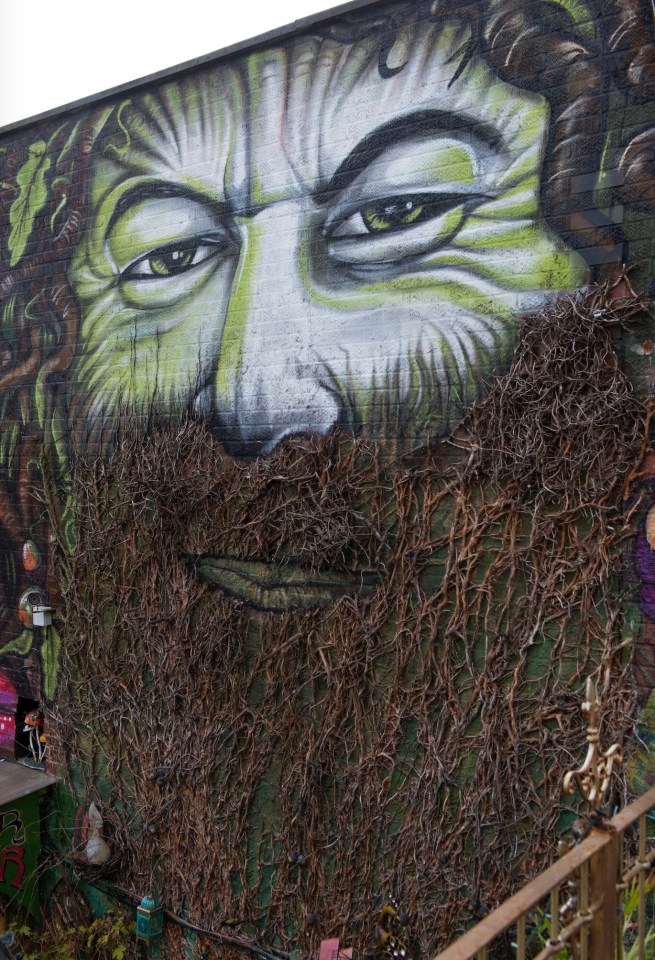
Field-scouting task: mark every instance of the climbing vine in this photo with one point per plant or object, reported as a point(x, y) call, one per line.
point(301, 685)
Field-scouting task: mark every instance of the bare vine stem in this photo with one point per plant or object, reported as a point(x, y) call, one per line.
point(265, 767)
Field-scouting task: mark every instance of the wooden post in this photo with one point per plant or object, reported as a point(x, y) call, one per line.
point(602, 881)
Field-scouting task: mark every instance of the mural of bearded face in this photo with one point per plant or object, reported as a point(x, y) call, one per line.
point(339, 231)
point(299, 240)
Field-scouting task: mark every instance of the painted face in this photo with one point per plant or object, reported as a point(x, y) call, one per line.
point(296, 241)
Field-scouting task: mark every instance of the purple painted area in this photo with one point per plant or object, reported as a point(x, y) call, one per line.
point(644, 560)
point(8, 698)
point(7, 735)
point(8, 704)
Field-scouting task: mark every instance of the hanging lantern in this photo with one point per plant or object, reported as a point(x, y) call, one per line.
point(149, 920)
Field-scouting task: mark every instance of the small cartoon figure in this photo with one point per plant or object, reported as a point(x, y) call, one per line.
point(37, 740)
point(388, 925)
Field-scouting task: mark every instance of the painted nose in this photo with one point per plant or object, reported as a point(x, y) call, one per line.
point(269, 384)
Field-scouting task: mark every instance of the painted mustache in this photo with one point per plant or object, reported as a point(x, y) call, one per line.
point(278, 587)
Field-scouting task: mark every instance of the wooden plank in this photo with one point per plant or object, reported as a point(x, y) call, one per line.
point(17, 780)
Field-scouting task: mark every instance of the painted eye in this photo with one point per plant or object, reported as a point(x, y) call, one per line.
point(173, 260)
point(395, 214)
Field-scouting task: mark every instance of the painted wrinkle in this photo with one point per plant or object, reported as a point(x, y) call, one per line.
point(282, 335)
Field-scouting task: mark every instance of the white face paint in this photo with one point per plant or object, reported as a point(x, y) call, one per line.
point(295, 241)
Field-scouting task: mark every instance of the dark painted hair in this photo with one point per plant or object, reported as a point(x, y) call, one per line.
point(537, 45)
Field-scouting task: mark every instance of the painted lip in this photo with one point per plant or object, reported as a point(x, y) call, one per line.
point(279, 587)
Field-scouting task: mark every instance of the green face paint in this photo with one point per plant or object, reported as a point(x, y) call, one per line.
point(278, 241)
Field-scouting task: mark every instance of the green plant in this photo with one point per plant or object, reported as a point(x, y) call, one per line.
point(541, 930)
point(630, 923)
point(540, 935)
point(106, 938)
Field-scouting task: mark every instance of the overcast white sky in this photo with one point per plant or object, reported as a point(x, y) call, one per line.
point(55, 51)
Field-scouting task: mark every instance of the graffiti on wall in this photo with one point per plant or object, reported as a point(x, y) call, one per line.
point(20, 843)
point(337, 232)
point(368, 237)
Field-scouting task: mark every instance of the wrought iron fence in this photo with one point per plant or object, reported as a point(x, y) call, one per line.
point(597, 901)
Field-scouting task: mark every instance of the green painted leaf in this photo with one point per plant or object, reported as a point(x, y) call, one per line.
point(31, 198)
point(50, 657)
point(20, 646)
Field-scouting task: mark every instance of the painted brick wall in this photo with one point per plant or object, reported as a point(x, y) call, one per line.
point(336, 228)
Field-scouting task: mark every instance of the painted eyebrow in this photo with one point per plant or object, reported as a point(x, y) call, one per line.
point(409, 127)
point(159, 191)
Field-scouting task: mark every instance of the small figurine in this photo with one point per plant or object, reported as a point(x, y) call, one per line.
point(97, 849)
point(37, 739)
point(89, 844)
point(388, 925)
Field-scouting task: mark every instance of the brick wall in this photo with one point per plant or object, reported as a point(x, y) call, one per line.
point(336, 228)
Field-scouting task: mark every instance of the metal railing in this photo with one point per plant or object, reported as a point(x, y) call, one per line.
point(592, 903)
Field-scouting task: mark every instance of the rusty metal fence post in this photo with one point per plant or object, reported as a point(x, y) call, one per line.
point(581, 897)
point(592, 780)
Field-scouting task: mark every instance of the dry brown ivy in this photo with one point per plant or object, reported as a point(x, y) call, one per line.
point(256, 767)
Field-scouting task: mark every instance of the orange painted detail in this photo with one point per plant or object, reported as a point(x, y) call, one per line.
point(24, 617)
point(34, 719)
point(31, 556)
